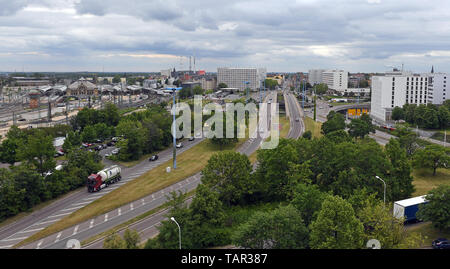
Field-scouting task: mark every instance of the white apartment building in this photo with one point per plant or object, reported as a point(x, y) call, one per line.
point(437, 88)
point(315, 76)
point(399, 88)
point(336, 79)
point(237, 77)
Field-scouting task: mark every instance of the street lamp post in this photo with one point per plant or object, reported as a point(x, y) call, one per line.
point(384, 198)
point(174, 131)
point(179, 229)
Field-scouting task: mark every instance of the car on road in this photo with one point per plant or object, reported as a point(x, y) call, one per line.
point(441, 243)
point(191, 139)
point(153, 158)
point(98, 147)
point(297, 119)
point(179, 145)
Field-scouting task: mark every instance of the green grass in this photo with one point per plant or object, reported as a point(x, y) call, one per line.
point(189, 163)
point(424, 181)
point(314, 127)
point(429, 232)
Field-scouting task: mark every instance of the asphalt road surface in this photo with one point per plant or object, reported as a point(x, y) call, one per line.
point(16, 232)
point(295, 112)
point(117, 216)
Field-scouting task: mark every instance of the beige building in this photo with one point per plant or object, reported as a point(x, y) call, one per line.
point(82, 87)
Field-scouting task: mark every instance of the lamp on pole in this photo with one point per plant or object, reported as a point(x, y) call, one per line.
point(384, 198)
point(179, 229)
point(174, 131)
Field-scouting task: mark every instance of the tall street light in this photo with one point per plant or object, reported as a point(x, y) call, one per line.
point(174, 131)
point(179, 229)
point(384, 199)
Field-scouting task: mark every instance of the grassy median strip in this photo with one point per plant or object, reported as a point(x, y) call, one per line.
point(132, 221)
point(189, 163)
point(314, 127)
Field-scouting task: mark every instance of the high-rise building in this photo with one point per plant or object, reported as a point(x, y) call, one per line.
point(237, 77)
point(397, 88)
point(335, 79)
point(315, 76)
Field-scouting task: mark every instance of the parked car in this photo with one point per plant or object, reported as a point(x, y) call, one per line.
point(114, 152)
point(179, 145)
point(441, 243)
point(153, 158)
point(110, 143)
point(191, 139)
point(98, 148)
point(98, 141)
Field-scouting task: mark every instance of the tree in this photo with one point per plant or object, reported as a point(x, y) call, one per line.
point(437, 210)
point(131, 238)
point(114, 241)
point(116, 79)
point(228, 174)
point(358, 128)
point(400, 181)
point(222, 85)
point(272, 172)
point(307, 134)
point(398, 113)
point(321, 88)
point(444, 117)
point(432, 156)
point(380, 224)
point(307, 199)
point(39, 151)
point(281, 228)
point(10, 146)
point(335, 122)
point(336, 226)
point(89, 134)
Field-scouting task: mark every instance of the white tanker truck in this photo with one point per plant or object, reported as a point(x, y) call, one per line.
point(104, 178)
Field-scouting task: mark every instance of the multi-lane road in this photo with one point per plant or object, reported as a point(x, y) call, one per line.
point(117, 216)
point(297, 127)
point(16, 232)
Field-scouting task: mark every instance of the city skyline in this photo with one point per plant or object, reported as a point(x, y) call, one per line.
point(284, 36)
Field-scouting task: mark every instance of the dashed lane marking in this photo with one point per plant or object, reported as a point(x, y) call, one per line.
point(58, 236)
point(72, 208)
point(75, 230)
point(29, 231)
point(119, 212)
point(106, 217)
point(14, 239)
point(91, 224)
point(39, 244)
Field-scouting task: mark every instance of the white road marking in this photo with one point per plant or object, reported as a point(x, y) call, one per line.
point(106, 217)
point(153, 196)
point(72, 208)
point(91, 224)
point(28, 231)
point(143, 202)
point(14, 239)
point(75, 230)
point(58, 236)
point(6, 246)
point(82, 203)
point(50, 221)
point(39, 244)
point(131, 206)
point(119, 212)
point(60, 215)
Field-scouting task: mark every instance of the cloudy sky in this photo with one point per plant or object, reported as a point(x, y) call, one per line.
point(281, 35)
